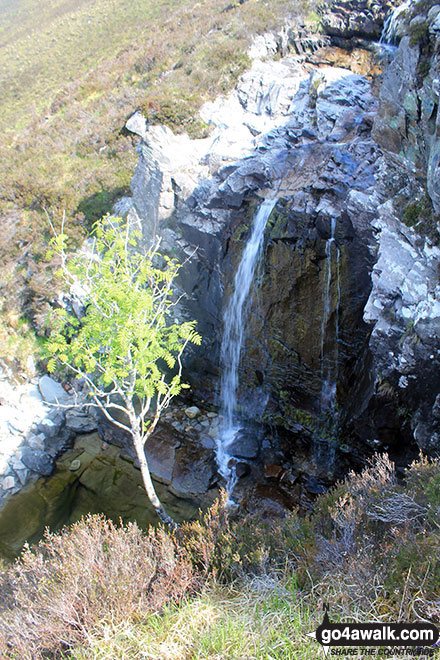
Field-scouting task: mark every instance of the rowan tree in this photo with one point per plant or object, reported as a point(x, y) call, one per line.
point(124, 344)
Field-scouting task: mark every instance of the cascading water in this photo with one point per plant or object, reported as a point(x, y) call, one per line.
point(233, 336)
point(388, 38)
point(324, 445)
point(329, 358)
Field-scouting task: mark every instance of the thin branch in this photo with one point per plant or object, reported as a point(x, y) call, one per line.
point(98, 404)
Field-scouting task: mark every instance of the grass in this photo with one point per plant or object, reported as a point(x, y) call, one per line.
point(71, 73)
point(222, 589)
point(220, 623)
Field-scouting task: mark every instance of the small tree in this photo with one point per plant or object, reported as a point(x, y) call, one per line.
point(125, 345)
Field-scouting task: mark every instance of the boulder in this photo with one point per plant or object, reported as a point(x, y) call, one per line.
point(192, 412)
point(51, 391)
point(37, 461)
point(160, 451)
point(137, 124)
point(194, 471)
point(80, 422)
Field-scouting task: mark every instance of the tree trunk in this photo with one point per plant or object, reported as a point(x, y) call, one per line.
point(148, 483)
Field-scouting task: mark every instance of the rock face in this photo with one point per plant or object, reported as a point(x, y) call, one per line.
point(404, 301)
point(404, 306)
point(342, 334)
point(88, 478)
point(355, 18)
point(307, 141)
point(32, 433)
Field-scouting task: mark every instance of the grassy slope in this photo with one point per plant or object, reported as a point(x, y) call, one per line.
point(71, 72)
point(48, 45)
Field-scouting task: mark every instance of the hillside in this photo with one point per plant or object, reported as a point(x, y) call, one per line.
point(70, 75)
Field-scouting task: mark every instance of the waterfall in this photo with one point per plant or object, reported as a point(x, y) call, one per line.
point(387, 39)
point(232, 341)
point(329, 358)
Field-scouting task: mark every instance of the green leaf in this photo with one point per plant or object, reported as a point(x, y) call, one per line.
point(51, 364)
point(125, 336)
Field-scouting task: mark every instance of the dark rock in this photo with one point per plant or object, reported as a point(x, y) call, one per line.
point(436, 408)
point(273, 471)
point(79, 422)
point(355, 18)
point(313, 486)
point(309, 133)
point(38, 461)
point(160, 451)
point(51, 426)
point(194, 471)
point(245, 445)
point(242, 469)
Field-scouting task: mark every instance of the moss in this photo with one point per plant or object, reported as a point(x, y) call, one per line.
point(304, 418)
point(412, 213)
point(419, 214)
point(278, 224)
point(418, 33)
point(313, 21)
point(408, 332)
point(422, 7)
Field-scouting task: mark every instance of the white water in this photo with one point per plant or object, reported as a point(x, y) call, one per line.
point(389, 33)
point(329, 359)
point(232, 342)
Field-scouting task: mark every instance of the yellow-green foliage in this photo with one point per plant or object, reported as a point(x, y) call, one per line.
point(125, 338)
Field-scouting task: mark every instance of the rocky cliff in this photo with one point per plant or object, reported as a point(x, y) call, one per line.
point(342, 343)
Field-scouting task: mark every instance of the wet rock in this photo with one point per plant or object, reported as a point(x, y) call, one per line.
point(207, 441)
point(273, 471)
point(242, 469)
point(245, 445)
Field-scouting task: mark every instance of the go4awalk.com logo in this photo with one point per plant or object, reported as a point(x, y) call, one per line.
point(424, 637)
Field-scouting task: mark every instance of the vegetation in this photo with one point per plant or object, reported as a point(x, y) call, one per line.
point(121, 343)
point(71, 73)
point(417, 212)
point(223, 588)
